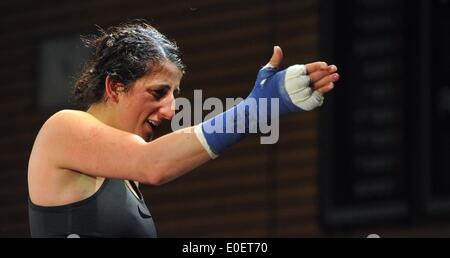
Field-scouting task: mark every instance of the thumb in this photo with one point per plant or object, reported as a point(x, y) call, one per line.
point(277, 57)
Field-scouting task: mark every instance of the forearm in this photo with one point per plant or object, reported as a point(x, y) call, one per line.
point(174, 155)
point(275, 94)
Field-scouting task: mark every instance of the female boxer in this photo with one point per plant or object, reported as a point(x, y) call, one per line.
point(85, 165)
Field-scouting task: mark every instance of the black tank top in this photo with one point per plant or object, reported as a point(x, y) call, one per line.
point(113, 211)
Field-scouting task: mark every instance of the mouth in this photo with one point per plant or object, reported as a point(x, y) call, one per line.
point(152, 125)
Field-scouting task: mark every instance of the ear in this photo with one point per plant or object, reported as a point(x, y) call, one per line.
point(113, 89)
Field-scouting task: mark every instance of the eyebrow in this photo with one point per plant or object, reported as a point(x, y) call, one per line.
point(163, 86)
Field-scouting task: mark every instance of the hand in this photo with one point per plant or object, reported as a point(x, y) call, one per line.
point(322, 76)
point(299, 87)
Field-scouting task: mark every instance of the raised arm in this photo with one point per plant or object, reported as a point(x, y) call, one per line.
point(77, 141)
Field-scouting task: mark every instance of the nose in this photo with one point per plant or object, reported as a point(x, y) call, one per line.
point(167, 109)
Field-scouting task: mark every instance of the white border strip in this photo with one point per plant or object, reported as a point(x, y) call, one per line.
point(201, 138)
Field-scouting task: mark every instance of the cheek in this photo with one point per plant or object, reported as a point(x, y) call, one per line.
point(131, 112)
point(143, 107)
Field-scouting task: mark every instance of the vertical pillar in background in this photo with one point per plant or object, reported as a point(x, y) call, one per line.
point(439, 85)
point(366, 178)
point(385, 135)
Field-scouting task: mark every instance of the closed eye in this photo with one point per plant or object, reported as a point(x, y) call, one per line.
point(159, 93)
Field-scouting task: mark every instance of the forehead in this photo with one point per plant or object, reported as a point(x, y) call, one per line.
point(165, 74)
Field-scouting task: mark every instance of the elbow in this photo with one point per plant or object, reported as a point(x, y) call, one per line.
point(148, 172)
point(154, 172)
point(154, 178)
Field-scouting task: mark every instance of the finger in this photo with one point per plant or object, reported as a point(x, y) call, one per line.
point(326, 80)
point(312, 67)
point(277, 57)
point(326, 88)
point(319, 74)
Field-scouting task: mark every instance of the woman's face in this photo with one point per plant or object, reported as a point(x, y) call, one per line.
point(150, 101)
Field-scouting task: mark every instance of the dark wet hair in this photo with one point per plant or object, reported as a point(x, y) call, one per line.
point(125, 53)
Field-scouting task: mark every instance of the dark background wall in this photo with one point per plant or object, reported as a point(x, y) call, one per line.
point(252, 190)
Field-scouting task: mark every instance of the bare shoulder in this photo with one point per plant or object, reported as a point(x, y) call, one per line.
point(63, 124)
point(66, 118)
point(54, 132)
